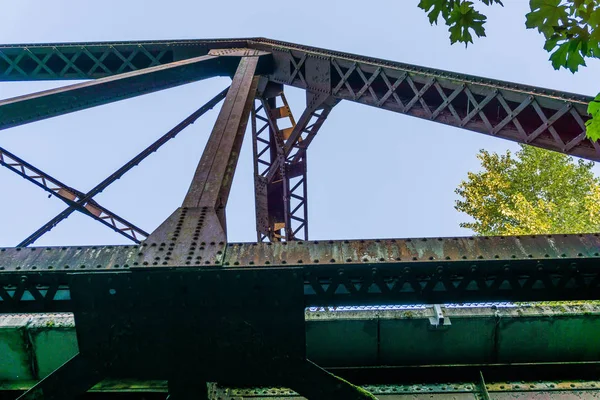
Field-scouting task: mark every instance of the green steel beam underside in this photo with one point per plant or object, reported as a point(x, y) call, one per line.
point(34, 345)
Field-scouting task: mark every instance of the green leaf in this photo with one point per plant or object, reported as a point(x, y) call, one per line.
point(593, 125)
point(545, 15)
point(434, 8)
point(568, 55)
point(462, 19)
point(594, 107)
point(592, 129)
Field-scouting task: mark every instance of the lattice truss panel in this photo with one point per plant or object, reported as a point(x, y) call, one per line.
point(82, 62)
point(282, 180)
point(280, 145)
point(525, 114)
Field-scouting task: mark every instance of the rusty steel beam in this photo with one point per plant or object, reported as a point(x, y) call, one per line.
point(71, 196)
point(280, 164)
point(357, 272)
point(201, 218)
point(118, 294)
point(84, 199)
point(272, 124)
point(540, 117)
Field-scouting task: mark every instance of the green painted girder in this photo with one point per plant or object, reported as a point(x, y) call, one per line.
point(564, 335)
point(57, 61)
point(37, 106)
point(359, 272)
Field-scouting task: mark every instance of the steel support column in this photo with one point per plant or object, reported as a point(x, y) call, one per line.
point(196, 232)
point(280, 166)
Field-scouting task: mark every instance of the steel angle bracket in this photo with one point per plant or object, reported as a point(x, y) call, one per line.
point(439, 321)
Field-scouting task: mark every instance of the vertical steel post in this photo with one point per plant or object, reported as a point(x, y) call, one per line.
point(196, 233)
point(280, 173)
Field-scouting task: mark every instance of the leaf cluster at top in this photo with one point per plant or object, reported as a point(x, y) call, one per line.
point(460, 16)
point(570, 28)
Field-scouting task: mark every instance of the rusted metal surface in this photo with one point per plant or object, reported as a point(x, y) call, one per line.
point(195, 234)
point(274, 195)
point(541, 117)
point(280, 165)
point(435, 270)
point(392, 271)
point(421, 250)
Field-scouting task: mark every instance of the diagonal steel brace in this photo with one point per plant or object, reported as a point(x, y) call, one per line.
point(121, 171)
point(70, 196)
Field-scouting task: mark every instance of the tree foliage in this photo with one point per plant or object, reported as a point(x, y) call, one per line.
point(571, 29)
point(533, 191)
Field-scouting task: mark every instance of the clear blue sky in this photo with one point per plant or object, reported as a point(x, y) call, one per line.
point(372, 173)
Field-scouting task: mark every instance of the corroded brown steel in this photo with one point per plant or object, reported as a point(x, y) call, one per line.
point(436, 270)
point(196, 231)
point(127, 309)
point(541, 117)
point(280, 165)
point(464, 390)
point(272, 123)
point(71, 196)
point(37, 106)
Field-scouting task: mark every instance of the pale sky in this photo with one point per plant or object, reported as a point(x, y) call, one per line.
point(372, 173)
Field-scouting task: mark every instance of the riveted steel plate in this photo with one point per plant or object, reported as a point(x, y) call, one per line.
point(222, 324)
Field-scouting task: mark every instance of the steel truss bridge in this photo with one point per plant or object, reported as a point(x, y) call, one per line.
point(183, 311)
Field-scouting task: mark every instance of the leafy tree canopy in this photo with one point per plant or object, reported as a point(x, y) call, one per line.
point(533, 191)
point(571, 29)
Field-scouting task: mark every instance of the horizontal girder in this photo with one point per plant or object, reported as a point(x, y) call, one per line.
point(359, 272)
point(385, 343)
point(546, 118)
point(379, 337)
point(56, 61)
